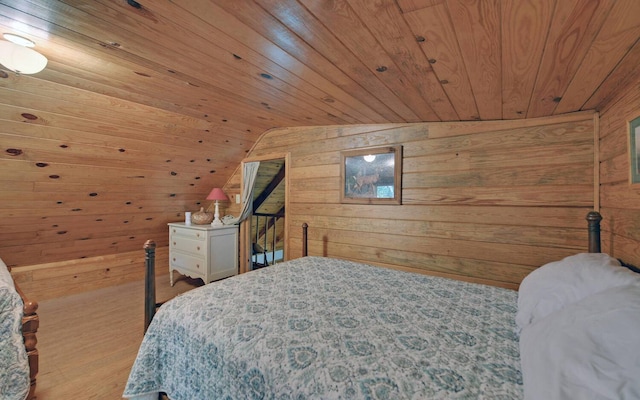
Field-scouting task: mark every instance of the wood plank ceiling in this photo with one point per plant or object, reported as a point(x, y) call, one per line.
point(232, 69)
point(249, 66)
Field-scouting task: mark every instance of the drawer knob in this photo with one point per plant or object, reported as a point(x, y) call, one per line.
point(174, 231)
point(197, 235)
point(198, 266)
point(174, 258)
point(174, 243)
point(198, 248)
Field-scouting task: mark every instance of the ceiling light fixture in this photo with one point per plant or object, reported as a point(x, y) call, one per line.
point(17, 56)
point(22, 41)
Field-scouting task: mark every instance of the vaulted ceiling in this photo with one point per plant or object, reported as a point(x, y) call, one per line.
point(248, 66)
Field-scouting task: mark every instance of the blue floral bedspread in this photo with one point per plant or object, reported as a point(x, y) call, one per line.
point(14, 365)
point(320, 328)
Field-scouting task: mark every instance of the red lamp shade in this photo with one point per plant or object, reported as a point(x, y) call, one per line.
point(217, 194)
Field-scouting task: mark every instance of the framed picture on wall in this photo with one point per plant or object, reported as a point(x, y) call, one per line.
point(634, 150)
point(371, 175)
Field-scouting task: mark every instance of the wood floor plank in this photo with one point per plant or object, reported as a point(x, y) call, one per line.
point(88, 342)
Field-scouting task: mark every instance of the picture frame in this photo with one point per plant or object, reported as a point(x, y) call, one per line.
point(371, 175)
point(634, 151)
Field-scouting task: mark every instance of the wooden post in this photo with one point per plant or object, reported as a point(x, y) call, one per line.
point(304, 239)
point(149, 283)
point(594, 218)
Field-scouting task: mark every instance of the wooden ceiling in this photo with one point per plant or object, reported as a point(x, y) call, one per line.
point(248, 66)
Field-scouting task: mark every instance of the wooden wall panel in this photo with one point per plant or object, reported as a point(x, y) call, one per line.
point(619, 200)
point(86, 174)
point(486, 202)
point(64, 278)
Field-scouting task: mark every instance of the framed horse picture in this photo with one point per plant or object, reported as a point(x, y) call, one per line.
point(371, 175)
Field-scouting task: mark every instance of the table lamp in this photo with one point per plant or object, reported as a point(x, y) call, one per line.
point(217, 194)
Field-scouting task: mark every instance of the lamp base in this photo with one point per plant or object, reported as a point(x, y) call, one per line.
point(217, 222)
point(216, 217)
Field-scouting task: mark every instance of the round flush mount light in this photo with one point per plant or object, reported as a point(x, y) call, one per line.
point(22, 41)
point(17, 56)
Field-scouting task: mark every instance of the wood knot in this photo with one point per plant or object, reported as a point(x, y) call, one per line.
point(14, 152)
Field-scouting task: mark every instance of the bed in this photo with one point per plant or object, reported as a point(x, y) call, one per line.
point(317, 327)
point(18, 326)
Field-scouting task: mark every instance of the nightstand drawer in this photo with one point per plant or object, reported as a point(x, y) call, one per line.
point(188, 233)
point(188, 245)
point(188, 263)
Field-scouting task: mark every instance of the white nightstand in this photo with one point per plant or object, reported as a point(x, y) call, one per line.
point(202, 251)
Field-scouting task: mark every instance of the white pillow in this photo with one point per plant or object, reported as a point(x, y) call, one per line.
point(560, 283)
point(5, 276)
point(588, 350)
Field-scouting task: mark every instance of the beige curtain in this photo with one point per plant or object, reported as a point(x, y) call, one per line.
point(249, 173)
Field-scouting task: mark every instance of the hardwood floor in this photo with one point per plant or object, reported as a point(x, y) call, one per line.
point(87, 342)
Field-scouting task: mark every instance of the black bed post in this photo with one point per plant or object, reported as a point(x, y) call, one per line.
point(149, 283)
point(304, 239)
point(594, 218)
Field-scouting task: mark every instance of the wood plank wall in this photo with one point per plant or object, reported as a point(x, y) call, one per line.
point(64, 278)
point(482, 201)
point(620, 202)
point(85, 174)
